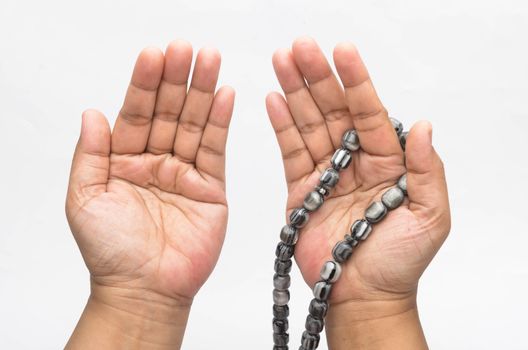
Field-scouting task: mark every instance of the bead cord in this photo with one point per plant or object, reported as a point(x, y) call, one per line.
point(342, 251)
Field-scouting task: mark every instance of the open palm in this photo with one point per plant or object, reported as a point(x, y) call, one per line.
point(146, 203)
point(309, 125)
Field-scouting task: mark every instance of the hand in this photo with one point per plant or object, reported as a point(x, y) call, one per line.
point(146, 203)
point(309, 125)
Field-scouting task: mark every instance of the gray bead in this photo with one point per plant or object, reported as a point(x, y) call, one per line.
point(309, 341)
point(281, 311)
point(284, 251)
point(351, 240)
point(360, 229)
point(280, 325)
point(322, 290)
point(341, 159)
point(402, 183)
point(313, 325)
point(283, 267)
point(299, 217)
point(393, 198)
point(397, 125)
point(289, 234)
point(325, 192)
point(318, 308)
point(342, 251)
point(281, 297)
point(329, 178)
point(331, 271)
point(375, 212)
point(403, 139)
point(350, 140)
point(313, 201)
point(281, 282)
point(281, 339)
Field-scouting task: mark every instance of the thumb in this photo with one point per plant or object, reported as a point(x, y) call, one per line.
point(426, 183)
point(91, 161)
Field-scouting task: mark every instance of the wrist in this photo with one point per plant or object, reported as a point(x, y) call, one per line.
point(375, 324)
point(130, 318)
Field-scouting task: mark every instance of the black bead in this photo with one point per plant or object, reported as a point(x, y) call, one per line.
point(284, 251)
point(281, 282)
point(281, 311)
point(280, 325)
point(318, 308)
point(314, 325)
point(289, 235)
point(283, 267)
point(342, 251)
point(310, 341)
point(322, 290)
point(351, 240)
point(299, 217)
point(281, 339)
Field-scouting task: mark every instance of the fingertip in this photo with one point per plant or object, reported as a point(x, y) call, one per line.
point(288, 74)
point(226, 95)
point(426, 176)
point(311, 60)
point(421, 133)
point(270, 95)
point(148, 68)
point(88, 113)
point(227, 92)
point(179, 52)
point(303, 42)
point(206, 69)
point(151, 57)
point(95, 132)
point(424, 125)
point(349, 65)
point(272, 99)
point(178, 60)
point(280, 57)
point(91, 116)
point(419, 150)
point(278, 111)
point(222, 108)
point(210, 56)
point(345, 50)
point(179, 45)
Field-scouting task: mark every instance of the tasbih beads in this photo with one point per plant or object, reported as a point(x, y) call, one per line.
point(331, 270)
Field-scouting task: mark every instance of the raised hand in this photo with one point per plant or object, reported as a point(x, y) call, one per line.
point(146, 203)
point(309, 125)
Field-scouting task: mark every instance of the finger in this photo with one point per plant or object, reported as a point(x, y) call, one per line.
point(324, 87)
point(170, 97)
point(376, 134)
point(210, 159)
point(297, 160)
point(91, 160)
point(197, 105)
point(132, 126)
point(303, 108)
point(426, 184)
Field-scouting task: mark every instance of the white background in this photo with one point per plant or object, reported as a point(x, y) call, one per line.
point(461, 64)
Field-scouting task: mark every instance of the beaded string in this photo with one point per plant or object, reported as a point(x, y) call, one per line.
point(331, 270)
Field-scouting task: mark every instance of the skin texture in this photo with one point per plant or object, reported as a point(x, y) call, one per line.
point(377, 290)
point(146, 202)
